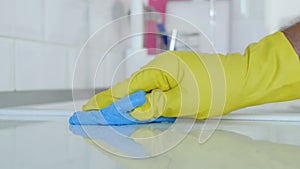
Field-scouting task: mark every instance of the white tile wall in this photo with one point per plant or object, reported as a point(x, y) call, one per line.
point(7, 64)
point(72, 62)
point(80, 76)
point(29, 19)
point(22, 19)
point(7, 15)
point(66, 21)
point(40, 41)
point(104, 22)
point(96, 12)
point(41, 66)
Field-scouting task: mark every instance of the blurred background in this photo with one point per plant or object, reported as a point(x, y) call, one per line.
point(40, 40)
point(42, 70)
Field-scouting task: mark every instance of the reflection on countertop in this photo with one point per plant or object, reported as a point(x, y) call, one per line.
point(235, 144)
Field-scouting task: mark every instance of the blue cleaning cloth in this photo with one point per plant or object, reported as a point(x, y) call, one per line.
point(116, 113)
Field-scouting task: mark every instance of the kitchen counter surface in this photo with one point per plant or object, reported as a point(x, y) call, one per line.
point(286, 111)
point(35, 140)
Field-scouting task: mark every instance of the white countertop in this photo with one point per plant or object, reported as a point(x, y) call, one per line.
point(38, 136)
point(286, 111)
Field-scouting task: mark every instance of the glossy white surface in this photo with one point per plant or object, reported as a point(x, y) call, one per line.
point(242, 144)
point(39, 137)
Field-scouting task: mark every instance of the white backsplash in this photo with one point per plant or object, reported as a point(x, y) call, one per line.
point(41, 39)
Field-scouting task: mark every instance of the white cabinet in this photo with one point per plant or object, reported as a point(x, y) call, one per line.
point(7, 64)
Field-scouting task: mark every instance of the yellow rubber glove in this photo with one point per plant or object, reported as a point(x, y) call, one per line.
point(183, 83)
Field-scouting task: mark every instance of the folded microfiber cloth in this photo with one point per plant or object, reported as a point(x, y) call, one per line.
point(116, 113)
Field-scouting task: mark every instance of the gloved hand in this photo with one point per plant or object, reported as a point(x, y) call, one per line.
point(178, 83)
point(116, 113)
